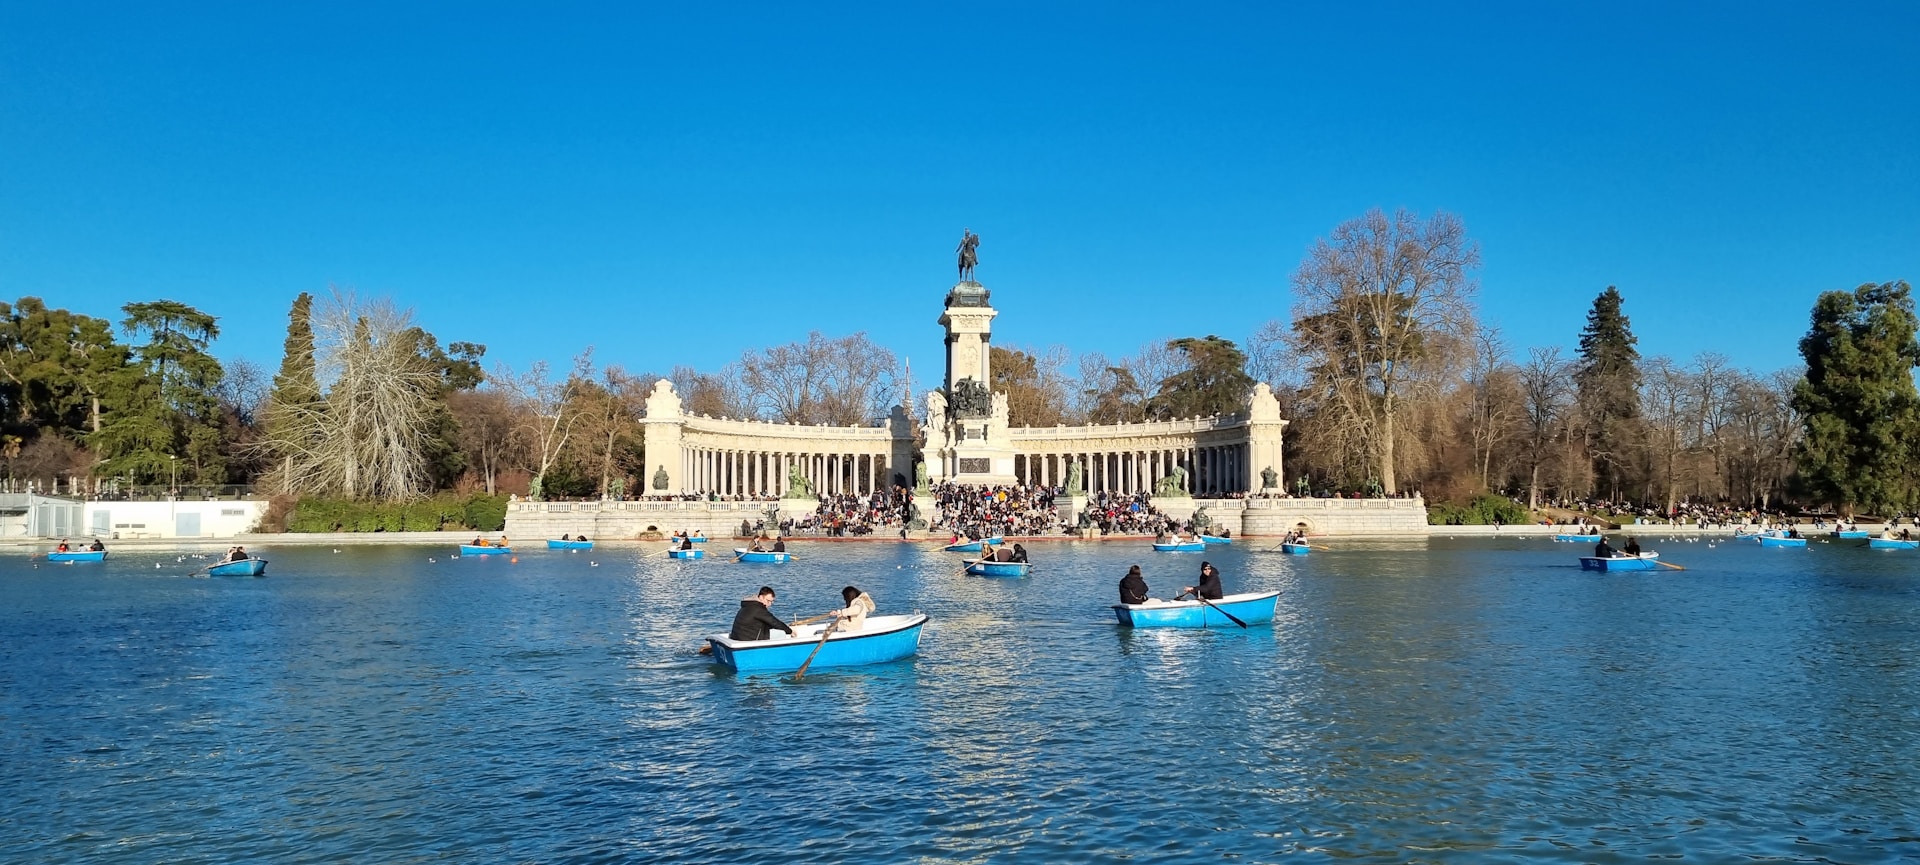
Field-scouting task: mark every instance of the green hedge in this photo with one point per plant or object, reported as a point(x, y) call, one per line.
point(1481, 511)
point(481, 513)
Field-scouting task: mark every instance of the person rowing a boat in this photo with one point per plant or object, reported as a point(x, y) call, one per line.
point(1603, 550)
point(1133, 587)
point(779, 545)
point(1633, 547)
point(756, 620)
point(686, 543)
point(1209, 587)
point(62, 547)
point(97, 545)
point(854, 616)
point(479, 542)
point(757, 546)
point(236, 554)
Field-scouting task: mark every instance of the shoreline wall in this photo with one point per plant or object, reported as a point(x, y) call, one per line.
point(1256, 517)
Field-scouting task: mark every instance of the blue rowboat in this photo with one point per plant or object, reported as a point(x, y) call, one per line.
point(882, 639)
point(1214, 539)
point(254, 567)
point(1852, 534)
point(569, 545)
point(78, 556)
point(1186, 547)
point(686, 554)
point(1574, 539)
point(1891, 544)
point(1295, 549)
point(1773, 541)
point(1642, 562)
point(765, 556)
point(1251, 608)
point(999, 569)
point(471, 550)
point(696, 539)
point(973, 546)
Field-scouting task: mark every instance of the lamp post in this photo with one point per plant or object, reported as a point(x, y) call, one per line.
point(173, 475)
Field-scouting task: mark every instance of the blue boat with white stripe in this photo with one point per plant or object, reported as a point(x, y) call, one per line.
point(1777, 541)
point(687, 554)
point(569, 545)
point(251, 567)
point(882, 639)
point(1852, 534)
point(999, 569)
point(973, 546)
point(1252, 608)
point(1642, 562)
point(471, 550)
point(1892, 544)
point(1574, 539)
point(1295, 549)
point(78, 556)
point(1180, 547)
point(1215, 539)
point(764, 557)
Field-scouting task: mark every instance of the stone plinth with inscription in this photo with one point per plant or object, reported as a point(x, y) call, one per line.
point(967, 437)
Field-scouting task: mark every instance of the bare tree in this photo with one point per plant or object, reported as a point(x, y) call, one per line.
point(550, 409)
point(1546, 385)
point(1386, 305)
point(1493, 384)
point(716, 394)
point(1664, 404)
point(845, 381)
point(371, 434)
point(607, 425)
point(492, 431)
point(1270, 357)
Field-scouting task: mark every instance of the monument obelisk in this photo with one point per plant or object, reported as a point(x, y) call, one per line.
point(966, 422)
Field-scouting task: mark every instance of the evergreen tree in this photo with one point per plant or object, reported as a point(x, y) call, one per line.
point(173, 411)
point(1214, 382)
point(1607, 382)
point(1859, 407)
point(296, 409)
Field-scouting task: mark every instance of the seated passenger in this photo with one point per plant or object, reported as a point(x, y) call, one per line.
point(779, 545)
point(1019, 554)
point(1603, 550)
point(97, 545)
point(854, 616)
point(1133, 587)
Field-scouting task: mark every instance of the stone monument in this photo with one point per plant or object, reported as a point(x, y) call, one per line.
point(967, 438)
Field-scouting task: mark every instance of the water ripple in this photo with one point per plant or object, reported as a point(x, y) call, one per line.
point(1465, 702)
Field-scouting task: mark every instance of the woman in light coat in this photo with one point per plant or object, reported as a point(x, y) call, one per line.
point(859, 606)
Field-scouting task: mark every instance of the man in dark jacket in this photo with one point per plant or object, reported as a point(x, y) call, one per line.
point(1209, 587)
point(755, 621)
point(1603, 550)
point(1133, 587)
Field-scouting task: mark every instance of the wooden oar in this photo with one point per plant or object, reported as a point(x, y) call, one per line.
point(1198, 597)
point(1666, 565)
point(1224, 612)
point(1318, 547)
point(824, 634)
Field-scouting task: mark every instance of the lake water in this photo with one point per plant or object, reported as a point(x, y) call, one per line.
point(1458, 701)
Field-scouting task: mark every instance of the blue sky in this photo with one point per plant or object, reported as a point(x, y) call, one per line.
point(677, 184)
